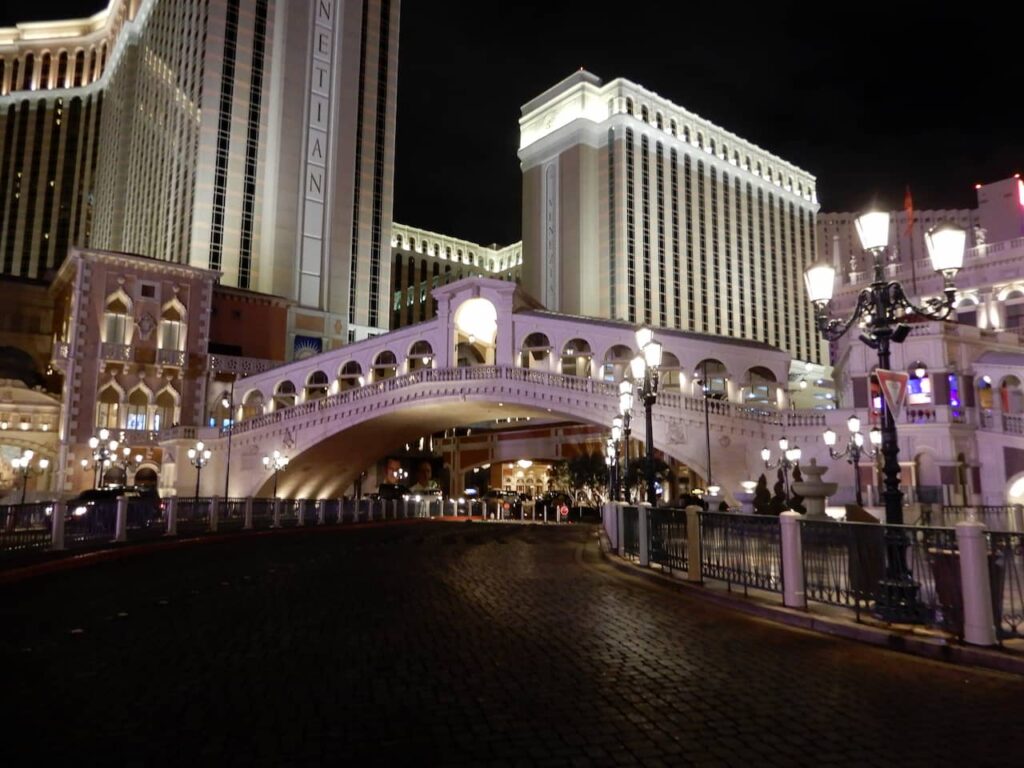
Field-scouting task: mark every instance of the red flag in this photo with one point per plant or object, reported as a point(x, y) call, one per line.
point(908, 206)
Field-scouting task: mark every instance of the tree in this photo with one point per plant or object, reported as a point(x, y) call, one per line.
point(588, 473)
point(762, 496)
point(796, 501)
point(636, 475)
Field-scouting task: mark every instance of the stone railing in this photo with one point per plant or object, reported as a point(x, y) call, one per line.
point(243, 365)
point(120, 352)
point(173, 357)
point(667, 401)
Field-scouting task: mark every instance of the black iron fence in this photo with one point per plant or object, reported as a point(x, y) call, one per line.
point(745, 550)
point(995, 517)
point(25, 527)
point(1006, 568)
point(667, 538)
point(631, 532)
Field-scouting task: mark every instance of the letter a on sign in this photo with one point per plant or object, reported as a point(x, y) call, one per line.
point(894, 389)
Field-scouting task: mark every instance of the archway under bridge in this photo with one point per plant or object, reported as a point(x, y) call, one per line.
point(330, 441)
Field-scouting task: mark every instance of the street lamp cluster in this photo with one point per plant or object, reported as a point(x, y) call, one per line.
point(23, 465)
point(854, 449)
point(882, 311)
point(199, 457)
point(644, 371)
point(275, 462)
point(789, 459)
point(108, 452)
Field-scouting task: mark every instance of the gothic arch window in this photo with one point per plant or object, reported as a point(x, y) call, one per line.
point(172, 326)
point(136, 415)
point(165, 412)
point(107, 407)
point(117, 319)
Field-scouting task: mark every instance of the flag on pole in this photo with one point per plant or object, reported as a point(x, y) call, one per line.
point(908, 206)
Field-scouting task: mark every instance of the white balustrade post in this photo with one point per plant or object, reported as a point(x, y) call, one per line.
point(121, 526)
point(172, 516)
point(643, 523)
point(247, 524)
point(214, 513)
point(321, 513)
point(793, 590)
point(277, 514)
point(610, 518)
point(976, 584)
point(301, 513)
point(1018, 518)
point(57, 526)
point(693, 543)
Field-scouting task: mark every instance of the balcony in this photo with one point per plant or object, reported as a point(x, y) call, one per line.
point(170, 357)
point(120, 352)
point(241, 365)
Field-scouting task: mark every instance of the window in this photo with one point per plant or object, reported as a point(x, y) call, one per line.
point(137, 406)
point(106, 408)
point(919, 385)
point(163, 414)
point(148, 290)
point(116, 322)
point(172, 329)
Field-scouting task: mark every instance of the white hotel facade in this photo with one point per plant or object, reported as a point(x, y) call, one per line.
point(251, 138)
point(636, 209)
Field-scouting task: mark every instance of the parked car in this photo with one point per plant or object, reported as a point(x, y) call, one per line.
point(510, 502)
point(144, 503)
point(391, 491)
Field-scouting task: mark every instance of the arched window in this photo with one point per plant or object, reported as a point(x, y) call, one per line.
point(79, 68)
point(164, 415)
point(26, 82)
point(398, 241)
point(629, 106)
point(645, 115)
point(616, 363)
point(106, 408)
point(350, 376)
point(576, 357)
point(117, 322)
point(1011, 395)
point(1013, 309)
point(686, 133)
point(172, 328)
point(385, 365)
point(62, 70)
point(138, 405)
point(710, 378)
point(700, 140)
point(919, 385)
point(967, 311)
point(316, 385)
point(421, 355)
point(252, 405)
point(673, 127)
point(760, 386)
point(536, 351)
point(669, 374)
point(659, 121)
point(284, 395)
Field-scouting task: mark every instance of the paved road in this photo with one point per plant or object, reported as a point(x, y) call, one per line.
point(456, 644)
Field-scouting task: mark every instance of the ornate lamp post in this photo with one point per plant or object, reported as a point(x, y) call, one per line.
point(127, 461)
point(626, 411)
point(23, 464)
point(644, 368)
point(882, 308)
point(788, 459)
point(227, 400)
point(617, 426)
point(199, 457)
point(276, 462)
point(104, 451)
point(854, 449)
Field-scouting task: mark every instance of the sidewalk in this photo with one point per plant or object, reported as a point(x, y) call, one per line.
point(831, 620)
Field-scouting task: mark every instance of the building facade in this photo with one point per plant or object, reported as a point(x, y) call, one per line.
point(636, 209)
point(253, 139)
point(423, 260)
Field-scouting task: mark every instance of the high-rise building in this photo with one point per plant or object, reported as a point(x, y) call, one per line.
point(636, 209)
point(252, 138)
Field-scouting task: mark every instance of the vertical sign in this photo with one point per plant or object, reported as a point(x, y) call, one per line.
point(894, 389)
point(315, 176)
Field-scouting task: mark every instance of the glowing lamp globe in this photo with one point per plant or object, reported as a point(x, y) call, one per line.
point(873, 230)
point(946, 243)
point(820, 281)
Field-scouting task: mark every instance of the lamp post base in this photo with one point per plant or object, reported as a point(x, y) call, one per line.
point(897, 601)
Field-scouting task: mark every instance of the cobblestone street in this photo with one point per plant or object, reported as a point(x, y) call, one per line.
point(454, 643)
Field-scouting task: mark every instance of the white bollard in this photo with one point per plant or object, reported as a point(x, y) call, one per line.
point(975, 583)
point(172, 516)
point(57, 526)
point(693, 543)
point(276, 523)
point(1017, 515)
point(321, 513)
point(214, 513)
point(643, 510)
point(610, 519)
point(247, 525)
point(301, 512)
point(620, 526)
point(793, 591)
point(121, 526)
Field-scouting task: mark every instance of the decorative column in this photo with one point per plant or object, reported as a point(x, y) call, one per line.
point(975, 583)
point(793, 589)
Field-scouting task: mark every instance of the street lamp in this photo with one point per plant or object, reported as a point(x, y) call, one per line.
point(276, 462)
point(854, 449)
point(644, 368)
point(789, 458)
point(227, 400)
point(199, 457)
point(882, 308)
point(104, 453)
point(617, 428)
point(23, 464)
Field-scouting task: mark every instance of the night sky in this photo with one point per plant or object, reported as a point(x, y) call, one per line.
point(869, 100)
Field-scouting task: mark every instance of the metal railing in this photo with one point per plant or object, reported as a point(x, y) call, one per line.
point(1002, 517)
point(25, 527)
point(1006, 568)
point(631, 532)
point(741, 549)
point(95, 522)
point(193, 514)
point(667, 536)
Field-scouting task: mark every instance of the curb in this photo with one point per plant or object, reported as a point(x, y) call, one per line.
point(936, 649)
point(23, 573)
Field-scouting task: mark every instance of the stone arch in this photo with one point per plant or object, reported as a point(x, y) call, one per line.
point(576, 358)
point(285, 395)
point(420, 355)
point(350, 376)
point(535, 351)
point(475, 323)
point(173, 326)
point(615, 364)
point(165, 408)
point(317, 384)
point(711, 378)
point(385, 365)
point(760, 386)
point(252, 404)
